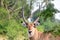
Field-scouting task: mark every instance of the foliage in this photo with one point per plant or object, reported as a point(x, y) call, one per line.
point(10, 22)
point(40, 28)
point(52, 27)
point(3, 13)
point(49, 25)
point(56, 29)
point(3, 20)
point(13, 29)
point(10, 18)
point(49, 11)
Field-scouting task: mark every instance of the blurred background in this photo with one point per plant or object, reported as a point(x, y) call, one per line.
point(11, 22)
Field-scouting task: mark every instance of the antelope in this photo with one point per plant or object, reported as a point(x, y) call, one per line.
point(34, 34)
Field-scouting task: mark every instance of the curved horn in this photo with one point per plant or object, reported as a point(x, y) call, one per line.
point(36, 20)
point(23, 15)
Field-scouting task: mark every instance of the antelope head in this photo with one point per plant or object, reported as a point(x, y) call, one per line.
point(31, 26)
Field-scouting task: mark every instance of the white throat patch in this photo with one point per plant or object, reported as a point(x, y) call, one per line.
point(32, 33)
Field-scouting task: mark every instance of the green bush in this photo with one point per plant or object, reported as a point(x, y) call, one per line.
point(12, 28)
point(15, 30)
point(52, 27)
point(48, 25)
point(3, 20)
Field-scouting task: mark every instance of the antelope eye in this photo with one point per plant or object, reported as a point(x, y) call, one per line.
point(26, 23)
point(34, 23)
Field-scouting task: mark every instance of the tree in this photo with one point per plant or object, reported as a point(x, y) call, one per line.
point(49, 11)
point(46, 11)
point(10, 17)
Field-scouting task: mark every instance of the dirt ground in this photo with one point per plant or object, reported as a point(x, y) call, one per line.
point(3, 37)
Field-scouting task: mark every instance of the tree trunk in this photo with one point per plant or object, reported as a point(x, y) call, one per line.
point(1, 3)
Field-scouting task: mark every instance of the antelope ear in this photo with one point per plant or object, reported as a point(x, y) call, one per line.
point(36, 24)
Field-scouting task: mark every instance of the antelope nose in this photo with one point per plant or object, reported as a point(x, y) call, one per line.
point(30, 31)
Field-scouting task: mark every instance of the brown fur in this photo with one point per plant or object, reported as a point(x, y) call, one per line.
point(40, 35)
point(43, 36)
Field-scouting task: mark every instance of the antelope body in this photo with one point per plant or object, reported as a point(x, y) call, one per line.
point(34, 34)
